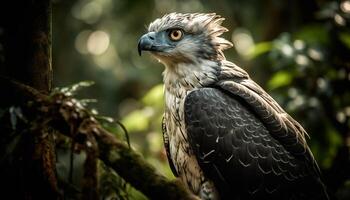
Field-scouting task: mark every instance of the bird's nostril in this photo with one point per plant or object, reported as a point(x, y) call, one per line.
point(151, 37)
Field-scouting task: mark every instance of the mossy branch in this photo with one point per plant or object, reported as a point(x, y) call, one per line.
point(70, 118)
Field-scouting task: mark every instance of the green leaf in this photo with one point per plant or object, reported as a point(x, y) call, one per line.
point(136, 121)
point(154, 97)
point(313, 34)
point(335, 141)
point(259, 49)
point(105, 118)
point(72, 89)
point(345, 38)
point(279, 79)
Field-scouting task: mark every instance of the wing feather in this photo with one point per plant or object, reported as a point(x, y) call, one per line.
point(238, 153)
point(281, 125)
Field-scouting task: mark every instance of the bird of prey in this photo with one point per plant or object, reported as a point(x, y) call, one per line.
point(225, 137)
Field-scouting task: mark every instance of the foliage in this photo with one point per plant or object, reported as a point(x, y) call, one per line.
point(112, 186)
point(88, 157)
point(21, 122)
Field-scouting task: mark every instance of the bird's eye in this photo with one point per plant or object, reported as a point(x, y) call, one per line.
point(175, 34)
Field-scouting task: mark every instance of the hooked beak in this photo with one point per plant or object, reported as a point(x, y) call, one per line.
point(147, 43)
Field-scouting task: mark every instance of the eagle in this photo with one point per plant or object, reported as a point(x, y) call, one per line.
point(225, 137)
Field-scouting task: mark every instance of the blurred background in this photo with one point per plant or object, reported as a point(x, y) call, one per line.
point(298, 50)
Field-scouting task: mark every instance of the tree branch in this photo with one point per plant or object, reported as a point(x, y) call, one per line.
point(65, 114)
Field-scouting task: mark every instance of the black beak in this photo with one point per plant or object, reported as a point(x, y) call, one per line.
point(146, 42)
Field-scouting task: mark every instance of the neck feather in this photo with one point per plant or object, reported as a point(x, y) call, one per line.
point(184, 77)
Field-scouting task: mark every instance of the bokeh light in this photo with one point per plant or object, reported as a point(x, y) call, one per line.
point(243, 41)
point(81, 41)
point(345, 6)
point(98, 42)
point(339, 20)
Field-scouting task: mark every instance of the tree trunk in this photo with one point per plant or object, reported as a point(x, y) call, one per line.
point(27, 170)
point(26, 40)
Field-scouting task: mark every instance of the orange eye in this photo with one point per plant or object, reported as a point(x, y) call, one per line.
point(175, 34)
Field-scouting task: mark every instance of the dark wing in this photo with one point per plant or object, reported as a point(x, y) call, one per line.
point(237, 152)
point(167, 148)
point(289, 132)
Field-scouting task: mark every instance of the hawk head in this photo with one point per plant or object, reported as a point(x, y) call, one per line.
point(185, 38)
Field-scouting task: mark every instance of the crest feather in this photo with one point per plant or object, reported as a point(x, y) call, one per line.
point(208, 24)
